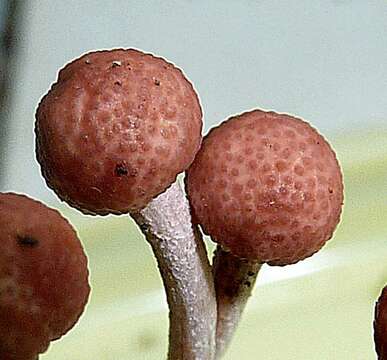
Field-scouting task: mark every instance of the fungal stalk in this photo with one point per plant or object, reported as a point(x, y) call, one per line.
point(186, 273)
point(234, 281)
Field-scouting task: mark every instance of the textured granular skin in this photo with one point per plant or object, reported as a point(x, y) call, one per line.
point(43, 277)
point(380, 326)
point(267, 187)
point(116, 129)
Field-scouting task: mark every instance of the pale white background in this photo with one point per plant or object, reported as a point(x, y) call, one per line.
point(325, 61)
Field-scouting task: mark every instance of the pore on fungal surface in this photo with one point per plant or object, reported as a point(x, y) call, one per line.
point(115, 130)
point(267, 187)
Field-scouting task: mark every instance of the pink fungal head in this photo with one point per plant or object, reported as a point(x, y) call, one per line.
point(43, 277)
point(267, 187)
point(115, 130)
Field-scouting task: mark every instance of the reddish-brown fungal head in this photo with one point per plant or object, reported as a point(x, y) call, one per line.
point(267, 187)
point(380, 326)
point(43, 277)
point(116, 129)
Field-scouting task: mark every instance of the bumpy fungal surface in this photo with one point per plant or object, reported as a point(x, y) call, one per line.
point(43, 277)
point(267, 187)
point(115, 130)
point(380, 326)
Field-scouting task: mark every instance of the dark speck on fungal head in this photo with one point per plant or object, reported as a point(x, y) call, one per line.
point(27, 241)
point(116, 63)
point(121, 170)
point(157, 82)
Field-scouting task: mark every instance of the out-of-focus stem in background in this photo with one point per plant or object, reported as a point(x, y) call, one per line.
point(11, 16)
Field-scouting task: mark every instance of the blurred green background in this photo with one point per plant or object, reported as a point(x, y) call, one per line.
point(324, 61)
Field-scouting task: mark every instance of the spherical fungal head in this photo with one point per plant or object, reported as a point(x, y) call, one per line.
point(267, 187)
point(380, 326)
point(116, 129)
point(43, 277)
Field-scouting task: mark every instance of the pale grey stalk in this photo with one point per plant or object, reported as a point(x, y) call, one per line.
point(186, 273)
